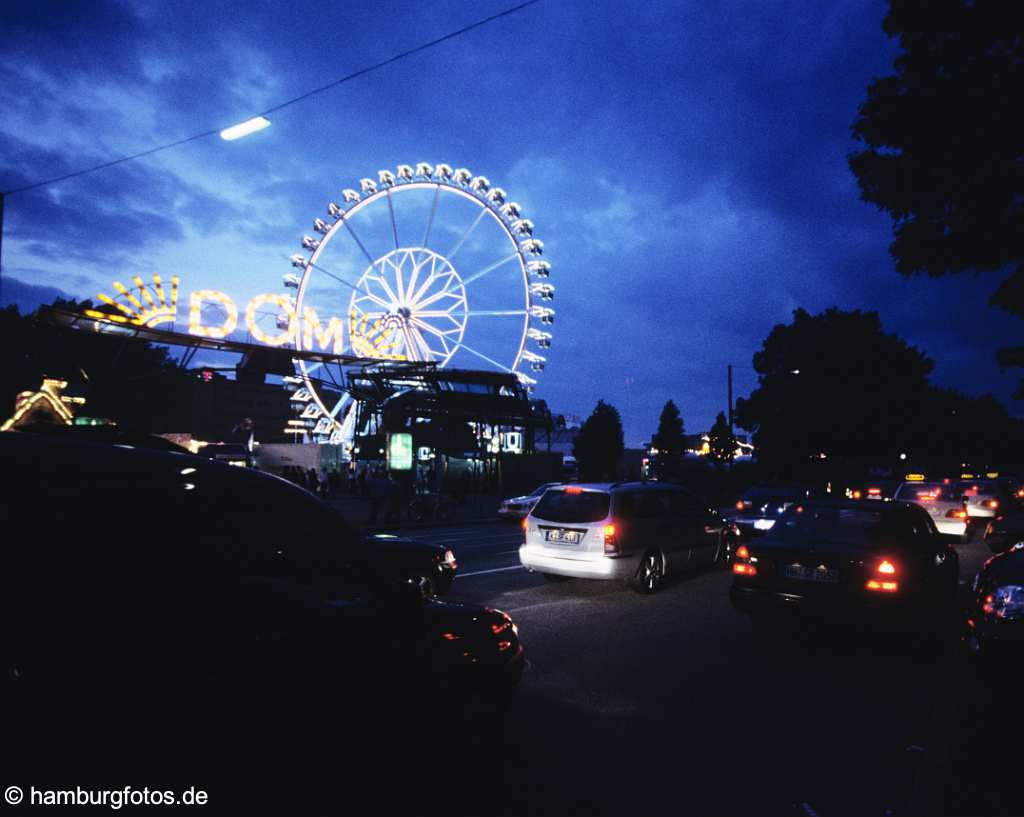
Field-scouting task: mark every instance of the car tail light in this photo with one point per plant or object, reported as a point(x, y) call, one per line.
point(874, 491)
point(741, 565)
point(992, 503)
point(524, 524)
point(573, 489)
point(952, 513)
point(886, 568)
point(611, 543)
point(881, 586)
point(856, 494)
point(739, 506)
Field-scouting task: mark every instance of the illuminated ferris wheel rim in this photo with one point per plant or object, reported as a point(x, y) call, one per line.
point(516, 229)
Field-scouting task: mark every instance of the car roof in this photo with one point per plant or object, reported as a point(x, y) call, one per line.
point(631, 485)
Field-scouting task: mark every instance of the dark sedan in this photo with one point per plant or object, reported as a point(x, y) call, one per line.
point(847, 557)
point(154, 579)
point(1004, 531)
point(995, 622)
point(431, 567)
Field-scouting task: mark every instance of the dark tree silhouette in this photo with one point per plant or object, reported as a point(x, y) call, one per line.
point(598, 446)
point(721, 440)
point(121, 378)
point(670, 440)
point(943, 155)
point(834, 384)
point(837, 385)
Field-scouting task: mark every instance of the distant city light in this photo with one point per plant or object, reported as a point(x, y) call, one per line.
point(257, 123)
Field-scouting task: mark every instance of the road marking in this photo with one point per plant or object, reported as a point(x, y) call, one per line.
point(494, 570)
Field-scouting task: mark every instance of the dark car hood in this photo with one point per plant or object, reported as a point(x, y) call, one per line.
point(385, 544)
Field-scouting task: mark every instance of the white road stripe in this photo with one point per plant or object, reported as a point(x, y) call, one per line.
point(494, 570)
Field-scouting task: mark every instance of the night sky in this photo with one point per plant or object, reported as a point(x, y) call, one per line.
point(684, 165)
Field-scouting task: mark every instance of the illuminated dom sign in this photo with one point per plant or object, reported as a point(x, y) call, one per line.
point(157, 304)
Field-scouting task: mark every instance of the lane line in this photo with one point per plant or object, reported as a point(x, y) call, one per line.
point(495, 570)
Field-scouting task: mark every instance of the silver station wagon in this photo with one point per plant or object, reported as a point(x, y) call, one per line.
point(639, 532)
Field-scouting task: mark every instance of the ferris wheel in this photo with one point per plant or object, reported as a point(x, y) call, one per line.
point(426, 264)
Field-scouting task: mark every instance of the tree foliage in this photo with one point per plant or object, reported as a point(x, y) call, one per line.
point(943, 150)
point(721, 440)
point(670, 441)
point(835, 384)
point(121, 378)
point(598, 446)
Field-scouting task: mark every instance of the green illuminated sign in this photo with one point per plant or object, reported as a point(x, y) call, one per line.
point(400, 451)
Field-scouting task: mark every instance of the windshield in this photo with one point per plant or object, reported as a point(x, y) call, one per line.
point(802, 523)
point(928, 492)
point(573, 506)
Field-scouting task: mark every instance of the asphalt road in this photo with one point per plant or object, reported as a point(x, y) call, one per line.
point(633, 702)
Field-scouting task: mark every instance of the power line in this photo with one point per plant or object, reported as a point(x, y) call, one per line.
point(282, 105)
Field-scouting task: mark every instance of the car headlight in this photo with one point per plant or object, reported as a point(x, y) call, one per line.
point(1005, 602)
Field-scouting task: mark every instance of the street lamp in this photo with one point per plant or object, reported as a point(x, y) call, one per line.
point(257, 123)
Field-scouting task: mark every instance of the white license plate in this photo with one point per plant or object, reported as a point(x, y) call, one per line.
point(563, 537)
point(811, 574)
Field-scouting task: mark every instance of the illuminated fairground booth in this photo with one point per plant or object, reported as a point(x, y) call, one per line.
point(419, 306)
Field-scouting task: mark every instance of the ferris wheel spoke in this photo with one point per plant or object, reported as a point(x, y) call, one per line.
point(482, 356)
point(437, 296)
point(433, 330)
point(352, 233)
point(337, 278)
point(433, 212)
point(369, 296)
point(394, 226)
point(437, 313)
point(366, 293)
point(476, 275)
point(421, 343)
point(467, 234)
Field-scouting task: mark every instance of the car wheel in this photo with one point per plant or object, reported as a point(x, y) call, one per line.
point(651, 573)
point(427, 586)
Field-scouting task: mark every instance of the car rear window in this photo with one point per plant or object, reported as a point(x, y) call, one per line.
point(572, 506)
point(855, 525)
point(928, 492)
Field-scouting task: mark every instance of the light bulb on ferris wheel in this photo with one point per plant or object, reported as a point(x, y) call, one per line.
point(428, 264)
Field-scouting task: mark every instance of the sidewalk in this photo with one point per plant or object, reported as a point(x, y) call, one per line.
point(356, 510)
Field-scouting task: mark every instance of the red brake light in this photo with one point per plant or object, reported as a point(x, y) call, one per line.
point(856, 494)
point(611, 544)
point(955, 514)
point(743, 569)
point(573, 489)
point(525, 523)
point(992, 503)
point(886, 567)
point(874, 491)
point(739, 505)
point(742, 552)
point(884, 587)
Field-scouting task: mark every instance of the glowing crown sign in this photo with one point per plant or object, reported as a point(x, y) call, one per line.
point(152, 313)
point(149, 305)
